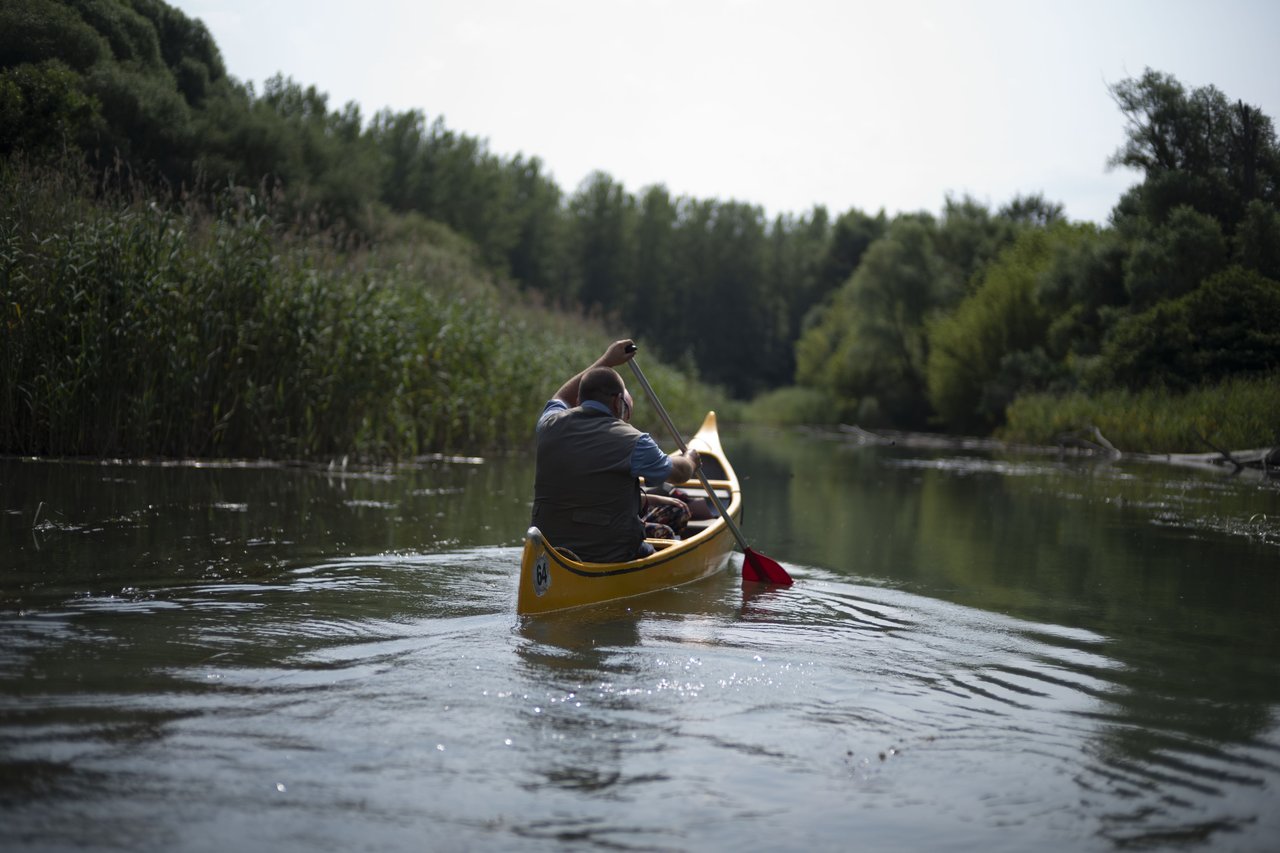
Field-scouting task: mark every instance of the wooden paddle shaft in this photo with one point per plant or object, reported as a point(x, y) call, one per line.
point(675, 433)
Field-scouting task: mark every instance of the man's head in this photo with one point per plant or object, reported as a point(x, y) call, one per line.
point(604, 385)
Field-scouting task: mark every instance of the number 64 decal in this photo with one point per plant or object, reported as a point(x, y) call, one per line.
point(541, 574)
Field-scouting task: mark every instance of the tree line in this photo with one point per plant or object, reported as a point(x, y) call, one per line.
point(950, 321)
point(916, 320)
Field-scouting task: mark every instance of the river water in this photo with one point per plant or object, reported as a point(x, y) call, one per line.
point(980, 652)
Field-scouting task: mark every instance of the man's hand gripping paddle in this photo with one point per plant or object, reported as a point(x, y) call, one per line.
point(756, 566)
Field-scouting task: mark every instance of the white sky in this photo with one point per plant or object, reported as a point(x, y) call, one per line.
point(889, 104)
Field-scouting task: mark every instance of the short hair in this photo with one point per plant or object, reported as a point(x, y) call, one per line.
point(600, 384)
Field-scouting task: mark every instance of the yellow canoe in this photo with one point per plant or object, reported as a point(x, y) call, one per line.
point(552, 580)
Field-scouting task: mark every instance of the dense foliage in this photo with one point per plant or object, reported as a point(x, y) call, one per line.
point(918, 320)
point(134, 329)
point(948, 322)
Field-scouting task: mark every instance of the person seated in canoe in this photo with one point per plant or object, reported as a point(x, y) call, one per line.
point(665, 509)
point(664, 515)
point(586, 489)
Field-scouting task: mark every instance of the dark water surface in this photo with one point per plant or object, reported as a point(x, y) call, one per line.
point(980, 653)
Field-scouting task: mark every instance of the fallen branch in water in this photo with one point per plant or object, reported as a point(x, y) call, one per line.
point(1099, 442)
point(1225, 454)
point(1266, 459)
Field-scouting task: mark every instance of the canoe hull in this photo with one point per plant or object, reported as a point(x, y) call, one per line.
point(552, 580)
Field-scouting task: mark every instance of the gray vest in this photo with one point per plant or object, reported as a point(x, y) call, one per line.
point(584, 496)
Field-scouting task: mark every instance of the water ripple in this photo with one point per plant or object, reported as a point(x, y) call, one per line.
point(937, 679)
point(848, 702)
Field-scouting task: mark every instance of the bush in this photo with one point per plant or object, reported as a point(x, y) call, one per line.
point(793, 406)
point(43, 112)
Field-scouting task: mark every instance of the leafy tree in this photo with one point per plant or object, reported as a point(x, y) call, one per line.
point(1175, 257)
point(693, 266)
point(325, 160)
point(991, 347)
point(739, 324)
point(1034, 211)
point(851, 235)
point(469, 192)
point(796, 247)
point(139, 67)
point(1195, 149)
point(188, 50)
point(1083, 291)
point(43, 109)
point(242, 143)
point(968, 237)
point(131, 36)
point(1257, 240)
point(34, 31)
point(660, 310)
point(1230, 325)
point(398, 138)
point(44, 49)
point(870, 343)
point(869, 347)
point(145, 120)
point(535, 258)
point(602, 239)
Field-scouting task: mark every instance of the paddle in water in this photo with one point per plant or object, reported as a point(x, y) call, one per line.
point(755, 566)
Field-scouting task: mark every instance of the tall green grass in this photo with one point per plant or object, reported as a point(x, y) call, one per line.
point(131, 328)
point(1237, 414)
point(793, 406)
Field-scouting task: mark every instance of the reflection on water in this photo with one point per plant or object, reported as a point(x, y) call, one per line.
point(979, 652)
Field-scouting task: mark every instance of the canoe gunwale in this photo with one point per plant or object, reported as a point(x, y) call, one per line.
point(653, 561)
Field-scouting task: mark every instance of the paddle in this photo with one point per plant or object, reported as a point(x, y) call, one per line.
point(755, 566)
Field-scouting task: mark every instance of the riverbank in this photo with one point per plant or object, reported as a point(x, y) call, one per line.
point(1089, 442)
point(1201, 424)
point(1240, 412)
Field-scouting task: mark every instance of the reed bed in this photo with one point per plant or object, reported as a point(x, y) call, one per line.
point(1238, 414)
point(137, 329)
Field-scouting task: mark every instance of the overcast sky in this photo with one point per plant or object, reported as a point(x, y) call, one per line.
point(891, 104)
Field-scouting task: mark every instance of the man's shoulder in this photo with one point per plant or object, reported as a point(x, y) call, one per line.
point(552, 410)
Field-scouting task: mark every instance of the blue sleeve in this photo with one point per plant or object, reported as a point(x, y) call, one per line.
point(551, 408)
point(648, 461)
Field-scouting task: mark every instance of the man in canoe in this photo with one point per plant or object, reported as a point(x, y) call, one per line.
point(586, 491)
point(664, 509)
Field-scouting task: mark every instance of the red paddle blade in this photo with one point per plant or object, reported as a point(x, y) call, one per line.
point(758, 567)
